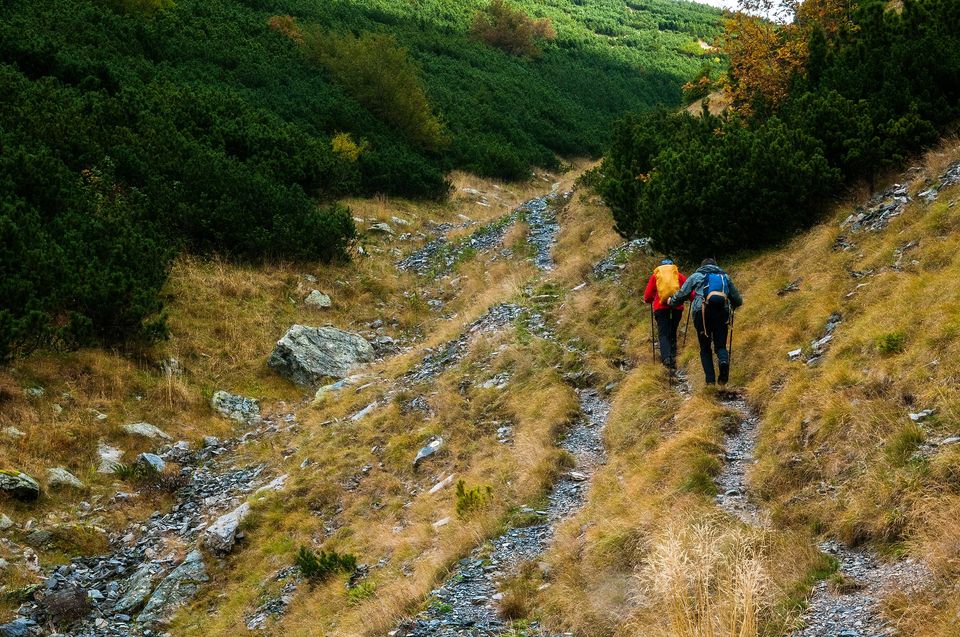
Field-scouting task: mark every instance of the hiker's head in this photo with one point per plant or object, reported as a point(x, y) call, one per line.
point(666, 262)
point(708, 261)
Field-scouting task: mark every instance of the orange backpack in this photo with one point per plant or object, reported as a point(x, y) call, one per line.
point(668, 281)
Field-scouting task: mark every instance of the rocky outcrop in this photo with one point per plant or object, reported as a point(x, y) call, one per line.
point(221, 535)
point(152, 462)
point(138, 589)
point(240, 408)
point(306, 355)
point(19, 485)
point(176, 589)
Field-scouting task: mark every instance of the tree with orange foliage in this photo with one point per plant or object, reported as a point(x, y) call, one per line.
point(765, 56)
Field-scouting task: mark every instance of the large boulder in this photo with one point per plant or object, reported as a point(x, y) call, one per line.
point(307, 354)
point(176, 589)
point(19, 485)
point(221, 535)
point(240, 408)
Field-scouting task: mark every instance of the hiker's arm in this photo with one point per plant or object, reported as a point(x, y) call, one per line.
point(651, 289)
point(735, 299)
point(688, 287)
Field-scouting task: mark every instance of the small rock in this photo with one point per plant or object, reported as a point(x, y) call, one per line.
point(12, 432)
point(239, 408)
point(146, 430)
point(59, 477)
point(952, 440)
point(316, 298)
point(446, 482)
point(382, 227)
point(428, 450)
point(221, 535)
point(795, 354)
point(109, 457)
point(19, 485)
point(5, 522)
point(921, 415)
point(153, 461)
point(274, 485)
point(95, 594)
point(210, 441)
point(34, 392)
point(441, 523)
point(576, 475)
point(38, 538)
point(18, 628)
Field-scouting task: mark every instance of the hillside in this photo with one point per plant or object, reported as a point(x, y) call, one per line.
point(132, 131)
point(532, 368)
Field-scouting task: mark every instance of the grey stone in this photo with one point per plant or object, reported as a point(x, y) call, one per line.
point(382, 227)
point(19, 485)
point(34, 392)
point(952, 440)
point(316, 298)
point(18, 628)
point(428, 450)
point(38, 538)
point(921, 415)
point(109, 457)
point(12, 432)
point(58, 477)
point(153, 461)
point(176, 589)
point(138, 588)
point(240, 408)
point(221, 535)
point(307, 354)
point(146, 430)
point(5, 522)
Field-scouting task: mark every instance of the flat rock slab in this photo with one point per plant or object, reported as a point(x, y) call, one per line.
point(146, 430)
point(176, 589)
point(306, 355)
point(109, 457)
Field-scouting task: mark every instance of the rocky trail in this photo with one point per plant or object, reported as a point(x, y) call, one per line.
point(155, 567)
point(467, 604)
point(850, 608)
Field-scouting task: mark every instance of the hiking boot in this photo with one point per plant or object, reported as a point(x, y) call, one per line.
point(724, 375)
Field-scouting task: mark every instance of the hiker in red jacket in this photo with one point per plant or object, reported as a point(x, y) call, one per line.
point(665, 281)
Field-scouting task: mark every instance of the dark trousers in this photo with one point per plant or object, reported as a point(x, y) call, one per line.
point(713, 336)
point(668, 322)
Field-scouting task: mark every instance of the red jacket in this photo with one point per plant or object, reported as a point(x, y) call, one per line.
point(650, 294)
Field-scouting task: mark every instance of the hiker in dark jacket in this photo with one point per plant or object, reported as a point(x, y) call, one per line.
point(668, 317)
point(715, 296)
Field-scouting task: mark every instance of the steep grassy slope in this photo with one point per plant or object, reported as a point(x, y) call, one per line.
point(838, 455)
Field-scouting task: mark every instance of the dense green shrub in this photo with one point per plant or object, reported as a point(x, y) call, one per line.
point(702, 186)
point(317, 568)
point(379, 74)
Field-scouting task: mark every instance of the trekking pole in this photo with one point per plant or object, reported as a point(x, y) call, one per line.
point(653, 339)
point(686, 328)
point(733, 313)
